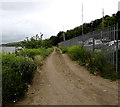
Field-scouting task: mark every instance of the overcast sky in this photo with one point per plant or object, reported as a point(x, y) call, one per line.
point(25, 19)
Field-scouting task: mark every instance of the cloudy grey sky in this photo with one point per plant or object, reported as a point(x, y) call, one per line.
point(20, 19)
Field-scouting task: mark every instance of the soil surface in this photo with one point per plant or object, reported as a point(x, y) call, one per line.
point(61, 81)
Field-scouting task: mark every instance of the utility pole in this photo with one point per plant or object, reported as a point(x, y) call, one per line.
point(82, 18)
point(82, 24)
point(102, 23)
point(103, 18)
point(63, 34)
point(117, 29)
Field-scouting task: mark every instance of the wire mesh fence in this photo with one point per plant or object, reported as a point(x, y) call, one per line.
point(104, 40)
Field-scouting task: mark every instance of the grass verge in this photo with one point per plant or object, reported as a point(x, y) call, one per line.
point(95, 62)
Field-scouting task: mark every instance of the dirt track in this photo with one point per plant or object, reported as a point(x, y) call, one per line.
point(61, 81)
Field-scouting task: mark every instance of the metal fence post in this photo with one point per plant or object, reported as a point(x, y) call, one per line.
point(93, 42)
point(117, 47)
point(101, 34)
point(114, 42)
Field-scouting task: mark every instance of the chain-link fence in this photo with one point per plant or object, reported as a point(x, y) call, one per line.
point(105, 40)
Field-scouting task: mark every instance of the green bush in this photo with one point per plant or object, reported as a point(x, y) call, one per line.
point(49, 51)
point(32, 52)
point(100, 66)
point(17, 73)
point(64, 49)
point(75, 52)
point(13, 88)
point(80, 54)
point(95, 62)
point(98, 62)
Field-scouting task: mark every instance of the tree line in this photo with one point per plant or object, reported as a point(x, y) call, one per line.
point(89, 27)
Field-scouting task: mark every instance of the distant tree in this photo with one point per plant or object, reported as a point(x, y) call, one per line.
point(60, 36)
point(54, 40)
point(46, 43)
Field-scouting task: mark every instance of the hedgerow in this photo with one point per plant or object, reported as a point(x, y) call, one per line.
point(18, 71)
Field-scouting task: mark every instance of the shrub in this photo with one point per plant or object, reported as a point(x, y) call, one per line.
point(32, 52)
point(80, 54)
point(49, 51)
point(38, 60)
point(17, 73)
point(12, 85)
point(95, 62)
point(99, 65)
point(75, 52)
point(64, 49)
point(98, 62)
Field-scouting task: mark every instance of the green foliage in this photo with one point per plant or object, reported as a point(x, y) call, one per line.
point(75, 52)
point(57, 51)
point(99, 65)
point(13, 87)
point(80, 54)
point(64, 49)
point(89, 27)
point(36, 42)
point(95, 62)
point(17, 73)
point(49, 50)
point(46, 43)
point(39, 58)
point(60, 36)
point(32, 52)
point(54, 40)
point(33, 42)
point(98, 61)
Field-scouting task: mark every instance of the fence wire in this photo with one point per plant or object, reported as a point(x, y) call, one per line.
point(105, 40)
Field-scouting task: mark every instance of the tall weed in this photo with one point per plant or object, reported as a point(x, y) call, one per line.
point(33, 52)
point(64, 49)
point(17, 73)
point(95, 62)
point(80, 54)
